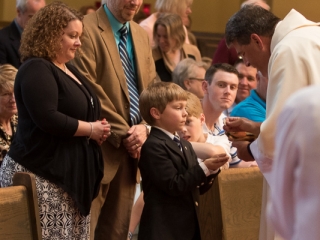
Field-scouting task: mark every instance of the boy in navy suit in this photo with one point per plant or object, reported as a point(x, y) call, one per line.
point(172, 177)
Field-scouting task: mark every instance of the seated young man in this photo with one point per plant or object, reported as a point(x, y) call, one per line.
point(172, 177)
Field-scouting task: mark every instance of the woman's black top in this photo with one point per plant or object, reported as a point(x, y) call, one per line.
point(50, 103)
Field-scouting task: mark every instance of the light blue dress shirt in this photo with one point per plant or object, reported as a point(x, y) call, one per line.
point(116, 26)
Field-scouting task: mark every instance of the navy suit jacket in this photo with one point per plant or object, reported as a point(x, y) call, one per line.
point(171, 181)
point(9, 45)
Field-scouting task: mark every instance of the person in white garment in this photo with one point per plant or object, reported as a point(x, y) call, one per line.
point(295, 208)
point(288, 53)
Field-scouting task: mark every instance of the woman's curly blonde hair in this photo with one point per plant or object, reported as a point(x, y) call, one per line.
point(40, 37)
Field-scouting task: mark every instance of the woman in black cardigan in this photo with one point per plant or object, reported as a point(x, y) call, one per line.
point(58, 133)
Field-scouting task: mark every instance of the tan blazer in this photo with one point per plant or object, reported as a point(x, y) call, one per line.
point(100, 63)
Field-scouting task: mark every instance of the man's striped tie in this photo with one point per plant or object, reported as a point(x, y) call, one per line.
point(130, 76)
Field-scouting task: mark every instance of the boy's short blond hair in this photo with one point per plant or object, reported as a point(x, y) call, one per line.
point(158, 95)
point(194, 108)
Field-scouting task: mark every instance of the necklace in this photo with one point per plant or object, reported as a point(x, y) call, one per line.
point(64, 66)
point(6, 132)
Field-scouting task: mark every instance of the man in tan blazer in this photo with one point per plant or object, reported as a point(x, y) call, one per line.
point(100, 62)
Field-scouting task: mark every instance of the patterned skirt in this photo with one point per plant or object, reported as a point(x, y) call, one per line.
point(60, 218)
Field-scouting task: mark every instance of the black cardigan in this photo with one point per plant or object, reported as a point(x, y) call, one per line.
point(50, 103)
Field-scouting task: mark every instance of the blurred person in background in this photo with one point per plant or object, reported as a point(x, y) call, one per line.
point(247, 81)
point(140, 16)
point(170, 47)
point(295, 208)
point(87, 9)
point(254, 106)
point(10, 36)
point(180, 7)
point(189, 74)
point(187, 23)
point(8, 108)
point(223, 54)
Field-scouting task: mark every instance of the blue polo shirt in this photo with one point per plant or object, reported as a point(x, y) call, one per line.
point(253, 108)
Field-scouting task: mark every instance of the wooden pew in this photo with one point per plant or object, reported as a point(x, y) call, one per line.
point(19, 211)
point(231, 208)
